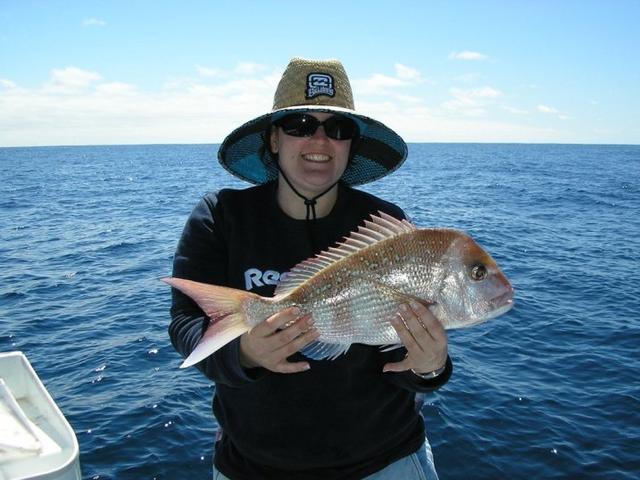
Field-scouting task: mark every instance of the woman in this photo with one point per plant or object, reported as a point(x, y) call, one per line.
point(282, 415)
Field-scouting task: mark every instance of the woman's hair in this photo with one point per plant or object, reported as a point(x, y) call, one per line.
point(266, 155)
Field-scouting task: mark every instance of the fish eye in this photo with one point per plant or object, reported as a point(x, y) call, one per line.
point(479, 272)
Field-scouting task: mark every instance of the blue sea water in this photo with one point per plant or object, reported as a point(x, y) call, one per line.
point(550, 390)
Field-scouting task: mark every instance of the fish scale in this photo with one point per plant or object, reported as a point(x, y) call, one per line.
point(352, 290)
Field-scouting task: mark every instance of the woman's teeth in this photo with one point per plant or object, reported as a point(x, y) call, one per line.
point(316, 157)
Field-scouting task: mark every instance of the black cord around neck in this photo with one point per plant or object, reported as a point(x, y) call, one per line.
point(311, 216)
point(310, 203)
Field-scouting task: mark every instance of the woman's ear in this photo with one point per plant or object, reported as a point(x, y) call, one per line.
point(273, 140)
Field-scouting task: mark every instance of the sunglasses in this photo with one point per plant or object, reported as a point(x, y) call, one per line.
point(336, 127)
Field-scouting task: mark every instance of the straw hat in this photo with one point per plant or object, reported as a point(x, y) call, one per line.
point(321, 86)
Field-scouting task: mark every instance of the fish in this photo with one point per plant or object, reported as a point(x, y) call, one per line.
point(353, 289)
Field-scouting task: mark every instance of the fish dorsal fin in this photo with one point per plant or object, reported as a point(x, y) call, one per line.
point(380, 227)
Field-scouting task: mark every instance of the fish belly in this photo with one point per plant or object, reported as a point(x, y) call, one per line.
point(356, 313)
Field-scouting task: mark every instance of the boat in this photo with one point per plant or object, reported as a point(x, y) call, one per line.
point(36, 440)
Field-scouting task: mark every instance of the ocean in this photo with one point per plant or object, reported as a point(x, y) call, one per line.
point(550, 390)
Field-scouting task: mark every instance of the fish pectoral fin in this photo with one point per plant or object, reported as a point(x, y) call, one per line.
point(324, 351)
point(389, 348)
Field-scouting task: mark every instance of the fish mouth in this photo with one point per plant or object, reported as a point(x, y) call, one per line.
point(501, 304)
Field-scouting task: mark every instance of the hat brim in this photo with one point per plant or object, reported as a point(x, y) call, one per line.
point(379, 152)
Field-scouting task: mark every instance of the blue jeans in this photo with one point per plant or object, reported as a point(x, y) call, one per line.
point(417, 466)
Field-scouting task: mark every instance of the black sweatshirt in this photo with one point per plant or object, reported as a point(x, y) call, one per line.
point(342, 419)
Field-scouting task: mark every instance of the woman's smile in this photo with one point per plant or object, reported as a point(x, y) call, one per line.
point(316, 157)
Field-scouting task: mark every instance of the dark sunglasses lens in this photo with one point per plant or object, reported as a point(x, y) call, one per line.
point(340, 128)
point(302, 125)
point(299, 125)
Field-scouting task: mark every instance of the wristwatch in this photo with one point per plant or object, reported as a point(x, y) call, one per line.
point(432, 374)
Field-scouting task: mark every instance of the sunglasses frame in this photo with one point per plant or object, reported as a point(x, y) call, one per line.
point(312, 124)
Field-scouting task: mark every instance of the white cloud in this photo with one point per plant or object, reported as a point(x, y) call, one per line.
point(378, 81)
point(422, 124)
point(247, 68)
point(546, 109)
point(407, 73)
point(115, 88)
point(380, 84)
point(4, 83)
point(77, 106)
point(471, 101)
point(409, 99)
point(515, 111)
point(71, 79)
point(484, 92)
point(208, 72)
point(468, 55)
point(93, 22)
point(468, 78)
point(243, 68)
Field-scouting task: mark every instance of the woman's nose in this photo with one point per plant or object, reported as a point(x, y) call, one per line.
point(320, 134)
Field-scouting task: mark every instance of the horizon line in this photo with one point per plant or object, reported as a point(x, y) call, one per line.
point(408, 143)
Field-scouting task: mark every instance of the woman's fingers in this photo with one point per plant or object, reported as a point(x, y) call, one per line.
point(429, 322)
point(423, 336)
point(277, 321)
point(269, 343)
point(284, 366)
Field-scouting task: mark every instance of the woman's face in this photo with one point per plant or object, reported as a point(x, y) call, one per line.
point(312, 164)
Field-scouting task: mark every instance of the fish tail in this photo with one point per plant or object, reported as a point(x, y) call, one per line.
point(223, 306)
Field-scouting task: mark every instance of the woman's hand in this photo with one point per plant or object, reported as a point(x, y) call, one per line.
point(269, 343)
point(424, 338)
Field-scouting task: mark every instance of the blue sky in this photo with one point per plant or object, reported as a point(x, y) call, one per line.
point(138, 71)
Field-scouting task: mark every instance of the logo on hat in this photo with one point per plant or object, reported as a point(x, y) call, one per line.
point(320, 84)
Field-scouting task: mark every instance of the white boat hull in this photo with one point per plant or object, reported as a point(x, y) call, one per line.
point(36, 441)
